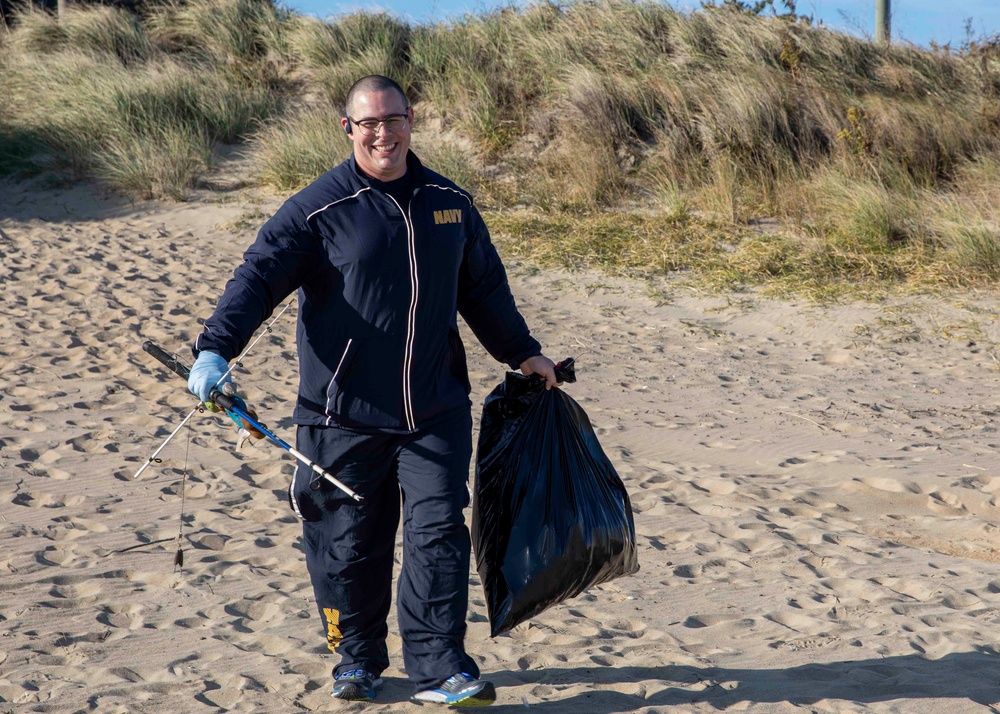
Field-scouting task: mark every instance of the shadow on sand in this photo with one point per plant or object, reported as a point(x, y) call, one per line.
point(969, 676)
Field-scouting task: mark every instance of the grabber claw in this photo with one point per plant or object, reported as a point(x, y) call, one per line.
point(247, 426)
point(243, 424)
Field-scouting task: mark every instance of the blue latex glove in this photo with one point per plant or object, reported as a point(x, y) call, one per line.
point(206, 373)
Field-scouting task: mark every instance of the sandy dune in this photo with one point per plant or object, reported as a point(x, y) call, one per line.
point(815, 491)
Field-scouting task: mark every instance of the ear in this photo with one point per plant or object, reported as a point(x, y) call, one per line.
point(346, 123)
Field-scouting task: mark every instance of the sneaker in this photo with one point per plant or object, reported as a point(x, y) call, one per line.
point(462, 690)
point(356, 685)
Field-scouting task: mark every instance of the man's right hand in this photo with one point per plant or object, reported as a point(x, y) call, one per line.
point(205, 375)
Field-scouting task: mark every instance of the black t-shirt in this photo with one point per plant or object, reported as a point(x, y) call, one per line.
point(400, 189)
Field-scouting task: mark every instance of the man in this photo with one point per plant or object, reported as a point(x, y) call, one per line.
point(384, 253)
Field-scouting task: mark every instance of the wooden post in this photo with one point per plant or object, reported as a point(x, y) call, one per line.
point(883, 21)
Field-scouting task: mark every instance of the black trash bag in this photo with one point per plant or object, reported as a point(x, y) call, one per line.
point(550, 515)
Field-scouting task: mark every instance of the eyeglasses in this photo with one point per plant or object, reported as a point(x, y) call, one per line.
point(393, 122)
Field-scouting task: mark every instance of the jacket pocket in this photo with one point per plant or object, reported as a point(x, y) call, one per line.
point(335, 389)
point(367, 389)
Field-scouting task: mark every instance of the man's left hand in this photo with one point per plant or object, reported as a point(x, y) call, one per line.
point(543, 367)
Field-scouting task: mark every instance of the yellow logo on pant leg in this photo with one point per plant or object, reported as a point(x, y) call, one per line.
point(333, 634)
point(449, 215)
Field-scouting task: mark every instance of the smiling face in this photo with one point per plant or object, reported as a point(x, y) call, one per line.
point(383, 154)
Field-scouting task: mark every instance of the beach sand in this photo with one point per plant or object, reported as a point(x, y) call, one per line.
point(815, 490)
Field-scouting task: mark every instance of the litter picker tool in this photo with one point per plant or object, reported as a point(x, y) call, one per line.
point(237, 410)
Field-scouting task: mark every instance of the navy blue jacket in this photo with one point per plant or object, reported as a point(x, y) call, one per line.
point(379, 288)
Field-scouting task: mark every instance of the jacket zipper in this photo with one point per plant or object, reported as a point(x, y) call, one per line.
point(411, 321)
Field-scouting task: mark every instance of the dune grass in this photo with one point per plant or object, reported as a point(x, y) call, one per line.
point(292, 152)
point(638, 138)
point(109, 96)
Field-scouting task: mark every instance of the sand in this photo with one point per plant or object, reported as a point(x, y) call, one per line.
point(815, 491)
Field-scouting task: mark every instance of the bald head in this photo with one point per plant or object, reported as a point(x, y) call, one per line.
point(369, 85)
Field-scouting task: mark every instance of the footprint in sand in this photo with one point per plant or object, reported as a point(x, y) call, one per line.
point(933, 645)
point(716, 486)
point(800, 512)
point(889, 484)
point(945, 501)
point(128, 617)
point(921, 589)
point(797, 622)
point(866, 591)
point(87, 590)
point(710, 619)
point(960, 601)
point(34, 499)
point(257, 610)
point(807, 643)
point(223, 698)
point(817, 457)
point(83, 525)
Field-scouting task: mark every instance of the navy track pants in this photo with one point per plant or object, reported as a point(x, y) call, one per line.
point(349, 546)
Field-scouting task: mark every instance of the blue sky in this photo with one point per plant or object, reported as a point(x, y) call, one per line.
point(915, 21)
